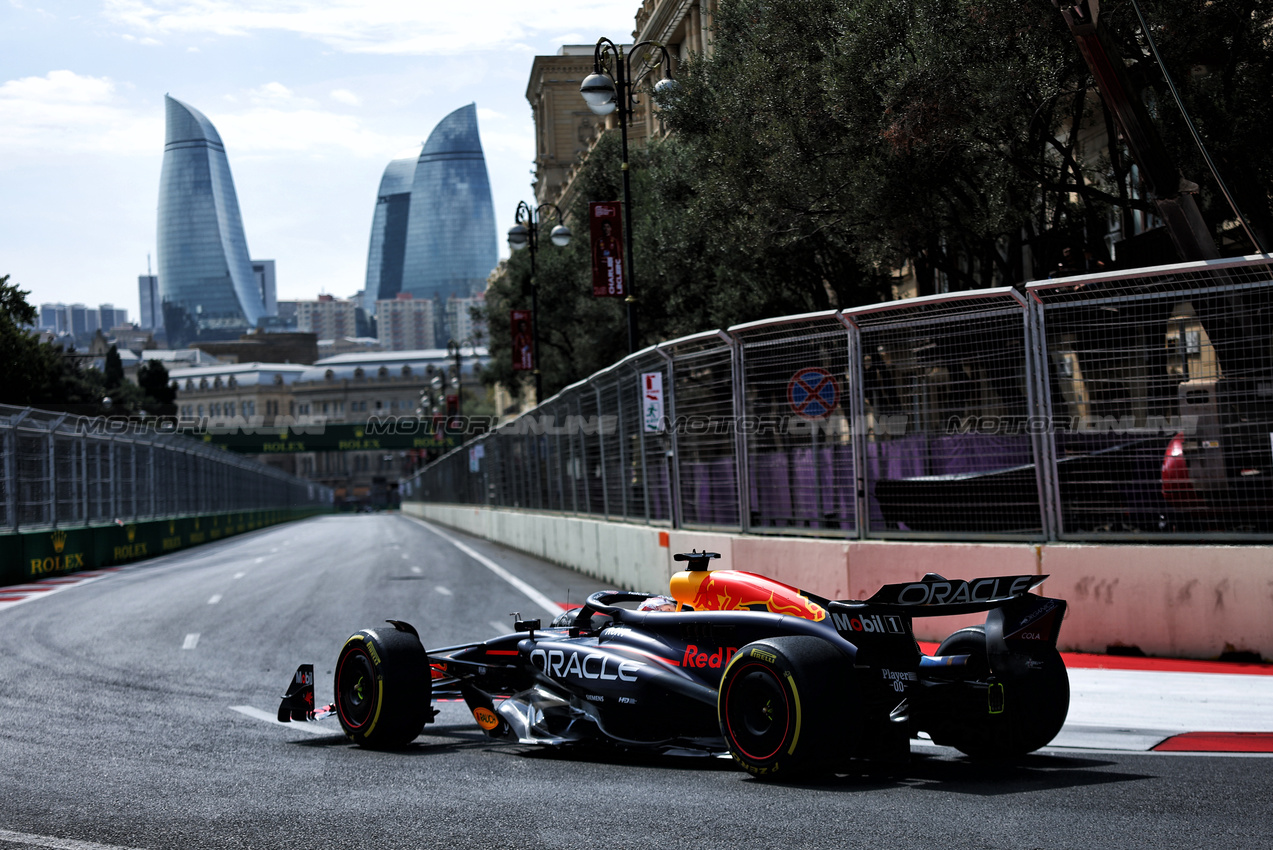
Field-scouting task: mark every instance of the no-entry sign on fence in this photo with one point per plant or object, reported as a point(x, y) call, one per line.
point(813, 393)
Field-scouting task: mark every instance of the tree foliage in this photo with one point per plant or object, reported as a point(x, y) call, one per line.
point(939, 131)
point(826, 143)
point(40, 374)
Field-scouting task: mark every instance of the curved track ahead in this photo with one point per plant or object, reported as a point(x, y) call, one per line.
point(137, 709)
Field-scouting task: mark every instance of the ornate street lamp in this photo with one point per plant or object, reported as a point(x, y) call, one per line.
point(609, 88)
point(453, 349)
point(525, 234)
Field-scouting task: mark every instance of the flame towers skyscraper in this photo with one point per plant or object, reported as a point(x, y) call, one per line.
point(433, 234)
point(206, 282)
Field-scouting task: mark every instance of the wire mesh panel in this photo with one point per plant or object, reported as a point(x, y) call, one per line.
point(34, 478)
point(797, 427)
point(1161, 388)
point(946, 400)
point(591, 492)
point(614, 475)
point(68, 479)
point(707, 467)
point(644, 402)
point(8, 516)
point(63, 469)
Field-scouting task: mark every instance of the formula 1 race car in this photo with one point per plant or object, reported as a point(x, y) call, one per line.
point(787, 682)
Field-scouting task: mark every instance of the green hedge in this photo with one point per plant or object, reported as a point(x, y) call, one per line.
point(33, 555)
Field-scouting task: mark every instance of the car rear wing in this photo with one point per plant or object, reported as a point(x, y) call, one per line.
point(936, 596)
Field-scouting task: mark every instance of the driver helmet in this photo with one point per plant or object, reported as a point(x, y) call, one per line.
point(657, 603)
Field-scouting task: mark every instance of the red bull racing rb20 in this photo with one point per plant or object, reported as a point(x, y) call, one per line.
point(787, 682)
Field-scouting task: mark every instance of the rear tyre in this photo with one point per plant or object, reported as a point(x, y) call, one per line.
point(383, 688)
point(970, 641)
point(784, 707)
point(1031, 705)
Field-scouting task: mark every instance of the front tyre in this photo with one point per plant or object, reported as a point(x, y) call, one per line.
point(778, 704)
point(383, 688)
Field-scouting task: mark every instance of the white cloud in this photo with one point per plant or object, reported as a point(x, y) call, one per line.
point(387, 27)
point(346, 97)
point(68, 112)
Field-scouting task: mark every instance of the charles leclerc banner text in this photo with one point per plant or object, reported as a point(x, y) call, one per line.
point(607, 249)
point(523, 350)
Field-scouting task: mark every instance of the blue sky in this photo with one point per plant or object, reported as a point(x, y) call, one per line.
point(312, 98)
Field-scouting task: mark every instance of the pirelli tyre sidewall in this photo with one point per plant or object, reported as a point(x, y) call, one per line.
point(383, 688)
point(778, 703)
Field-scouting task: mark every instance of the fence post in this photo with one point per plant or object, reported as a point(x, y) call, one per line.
point(574, 466)
point(10, 444)
point(1043, 442)
point(742, 465)
point(857, 425)
point(645, 468)
point(624, 477)
point(672, 457)
point(52, 469)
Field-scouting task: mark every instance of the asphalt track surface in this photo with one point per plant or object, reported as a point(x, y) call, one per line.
point(137, 712)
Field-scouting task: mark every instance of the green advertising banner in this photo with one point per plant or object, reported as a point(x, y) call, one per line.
point(63, 550)
point(34, 555)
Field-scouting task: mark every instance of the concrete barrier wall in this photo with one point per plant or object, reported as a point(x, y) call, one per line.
point(1175, 601)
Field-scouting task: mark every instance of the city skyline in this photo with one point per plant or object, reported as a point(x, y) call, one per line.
point(312, 102)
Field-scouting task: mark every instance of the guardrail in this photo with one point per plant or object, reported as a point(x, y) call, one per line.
point(1129, 406)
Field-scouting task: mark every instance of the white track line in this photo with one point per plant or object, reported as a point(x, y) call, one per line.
point(29, 840)
point(191, 641)
point(299, 725)
point(216, 597)
point(445, 591)
point(531, 593)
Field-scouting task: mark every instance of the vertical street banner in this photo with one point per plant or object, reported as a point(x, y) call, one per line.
point(652, 402)
point(523, 341)
point(605, 223)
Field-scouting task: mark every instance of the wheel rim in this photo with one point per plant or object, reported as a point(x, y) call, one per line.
point(356, 688)
point(757, 712)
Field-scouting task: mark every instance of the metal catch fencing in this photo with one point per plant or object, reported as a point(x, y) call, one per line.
point(66, 470)
point(1129, 406)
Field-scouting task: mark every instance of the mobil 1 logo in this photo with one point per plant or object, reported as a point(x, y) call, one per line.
point(860, 624)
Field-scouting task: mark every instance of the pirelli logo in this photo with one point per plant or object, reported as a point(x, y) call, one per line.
point(764, 656)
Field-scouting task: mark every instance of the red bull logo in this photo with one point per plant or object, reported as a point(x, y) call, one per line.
point(732, 590)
